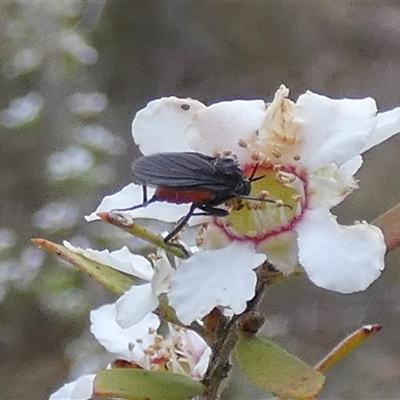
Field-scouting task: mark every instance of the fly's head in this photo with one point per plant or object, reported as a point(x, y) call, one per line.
point(243, 187)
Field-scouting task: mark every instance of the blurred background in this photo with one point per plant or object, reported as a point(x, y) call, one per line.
point(74, 73)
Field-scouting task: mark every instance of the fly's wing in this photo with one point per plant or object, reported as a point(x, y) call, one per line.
point(179, 170)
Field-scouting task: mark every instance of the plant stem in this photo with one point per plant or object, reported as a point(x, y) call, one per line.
point(131, 227)
point(226, 335)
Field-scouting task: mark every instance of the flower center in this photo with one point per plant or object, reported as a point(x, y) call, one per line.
point(256, 220)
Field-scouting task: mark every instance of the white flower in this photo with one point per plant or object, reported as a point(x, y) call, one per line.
point(122, 260)
point(223, 277)
point(235, 261)
point(307, 153)
point(141, 299)
point(126, 343)
point(81, 389)
point(181, 351)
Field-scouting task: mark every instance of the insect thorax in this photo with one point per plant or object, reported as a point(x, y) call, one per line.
point(234, 177)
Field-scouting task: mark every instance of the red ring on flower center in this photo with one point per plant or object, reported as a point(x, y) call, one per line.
point(260, 221)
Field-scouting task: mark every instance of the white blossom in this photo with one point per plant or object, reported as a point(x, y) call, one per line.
point(307, 153)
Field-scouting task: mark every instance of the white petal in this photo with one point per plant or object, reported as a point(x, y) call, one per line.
point(135, 304)
point(122, 260)
point(352, 166)
point(132, 195)
point(126, 343)
point(330, 185)
point(223, 277)
point(201, 367)
point(193, 343)
point(162, 274)
point(194, 348)
point(388, 125)
point(333, 130)
point(161, 126)
point(345, 259)
point(128, 196)
point(81, 389)
point(219, 128)
point(198, 348)
point(281, 251)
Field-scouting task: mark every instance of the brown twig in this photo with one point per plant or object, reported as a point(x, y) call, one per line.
point(226, 334)
point(389, 223)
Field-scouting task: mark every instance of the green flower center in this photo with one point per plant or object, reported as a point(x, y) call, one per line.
point(258, 219)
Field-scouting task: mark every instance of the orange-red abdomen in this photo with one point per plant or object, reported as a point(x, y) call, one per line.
point(180, 196)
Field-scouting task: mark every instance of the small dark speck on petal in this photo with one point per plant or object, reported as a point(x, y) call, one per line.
point(185, 107)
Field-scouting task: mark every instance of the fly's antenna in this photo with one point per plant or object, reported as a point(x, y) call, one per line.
point(256, 179)
point(251, 178)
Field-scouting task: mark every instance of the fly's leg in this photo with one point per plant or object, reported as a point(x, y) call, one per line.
point(206, 210)
point(182, 222)
point(144, 189)
point(145, 202)
point(210, 210)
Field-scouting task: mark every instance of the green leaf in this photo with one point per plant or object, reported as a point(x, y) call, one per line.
point(137, 384)
point(135, 229)
point(113, 280)
point(273, 369)
point(347, 346)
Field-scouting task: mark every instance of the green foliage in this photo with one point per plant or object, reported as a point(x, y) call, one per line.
point(273, 369)
point(111, 279)
point(136, 384)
